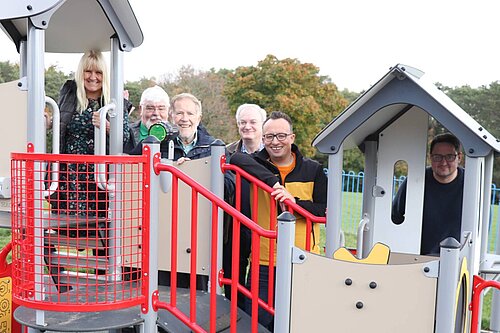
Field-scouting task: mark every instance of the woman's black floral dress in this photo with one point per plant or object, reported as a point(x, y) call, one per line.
point(78, 192)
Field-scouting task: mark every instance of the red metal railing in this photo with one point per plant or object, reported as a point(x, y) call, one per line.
point(257, 232)
point(216, 203)
point(479, 284)
point(79, 248)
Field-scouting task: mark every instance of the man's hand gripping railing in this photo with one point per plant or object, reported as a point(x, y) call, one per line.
point(290, 205)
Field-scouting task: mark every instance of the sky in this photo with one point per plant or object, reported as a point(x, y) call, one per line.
point(354, 42)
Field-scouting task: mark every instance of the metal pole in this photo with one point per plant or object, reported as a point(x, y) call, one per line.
point(36, 135)
point(449, 267)
point(217, 188)
point(151, 316)
point(369, 180)
point(334, 203)
point(286, 242)
point(115, 148)
point(116, 78)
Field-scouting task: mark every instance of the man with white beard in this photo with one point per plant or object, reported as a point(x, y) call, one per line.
point(153, 108)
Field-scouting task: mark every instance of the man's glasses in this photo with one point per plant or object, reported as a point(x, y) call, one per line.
point(447, 157)
point(280, 136)
point(152, 108)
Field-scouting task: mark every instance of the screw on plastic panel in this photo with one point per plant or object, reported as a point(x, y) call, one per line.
point(427, 269)
point(485, 137)
point(359, 305)
point(471, 150)
point(188, 250)
point(373, 285)
point(29, 7)
point(44, 22)
point(332, 148)
point(348, 282)
point(19, 84)
point(302, 257)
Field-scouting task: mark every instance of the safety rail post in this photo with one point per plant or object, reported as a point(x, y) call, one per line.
point(217, 188)
point(334, 204)
point(447, 285)
point(478, 285)
point(286, 242)
point(151, 315)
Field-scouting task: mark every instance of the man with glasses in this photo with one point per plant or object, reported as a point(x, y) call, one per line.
point(301, 180)
point(249, 119)
point(443, 194)
point(153, 109)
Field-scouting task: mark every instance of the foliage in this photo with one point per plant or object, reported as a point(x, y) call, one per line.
point(54, 80)
point(482, 104)
point(8, 71)
point(287, 85)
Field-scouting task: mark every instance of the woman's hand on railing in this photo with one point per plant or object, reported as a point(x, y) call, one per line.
point(96, 121)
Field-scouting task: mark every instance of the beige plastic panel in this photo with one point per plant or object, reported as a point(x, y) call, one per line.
point(405, 139)
point(14, 112)
point(199, 170)
point(403, 301)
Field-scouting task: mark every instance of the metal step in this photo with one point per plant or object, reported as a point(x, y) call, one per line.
point(89, 241)
point(77, 260)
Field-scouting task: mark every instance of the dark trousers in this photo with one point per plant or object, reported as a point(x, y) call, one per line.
point(265, 318)
point(245, 246)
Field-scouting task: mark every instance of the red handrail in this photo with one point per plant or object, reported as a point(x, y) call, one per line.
point(479, 284)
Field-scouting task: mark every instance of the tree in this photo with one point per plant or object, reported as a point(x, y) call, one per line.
point(8, 71)
point(287, 85)
point(54, 80)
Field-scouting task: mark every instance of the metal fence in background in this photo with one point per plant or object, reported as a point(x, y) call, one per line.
point(352, 204)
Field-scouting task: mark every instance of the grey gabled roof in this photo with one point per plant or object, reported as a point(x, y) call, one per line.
point(394, 94)
point(73, 26)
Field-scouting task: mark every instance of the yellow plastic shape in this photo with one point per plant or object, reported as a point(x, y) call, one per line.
point(379, 255)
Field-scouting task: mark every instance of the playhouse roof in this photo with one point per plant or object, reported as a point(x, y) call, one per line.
point(397, 92)
point(75, 26)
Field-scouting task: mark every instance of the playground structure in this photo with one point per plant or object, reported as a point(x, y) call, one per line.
point(100, 271)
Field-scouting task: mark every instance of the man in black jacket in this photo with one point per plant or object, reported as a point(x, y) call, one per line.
point(443, 195)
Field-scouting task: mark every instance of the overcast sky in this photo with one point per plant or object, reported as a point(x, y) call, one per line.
point(354, 42)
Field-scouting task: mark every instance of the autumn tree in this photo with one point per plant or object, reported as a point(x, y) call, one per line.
point(287, 85)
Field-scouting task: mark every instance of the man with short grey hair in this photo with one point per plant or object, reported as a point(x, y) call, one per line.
point(153, 108)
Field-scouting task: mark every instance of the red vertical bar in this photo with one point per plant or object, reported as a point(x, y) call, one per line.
point(194, 254)
point(272, 242)
point(173, 254)
point(213, 268)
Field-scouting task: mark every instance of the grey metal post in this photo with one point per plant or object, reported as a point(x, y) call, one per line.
point(36, 135)
point(23, 58)
point(217, 188)
point(115, 148)
point(488, 174)
point(449, 267)
point(334, 202)
point(285, 244)
point(151, 316)
point(495, 301)
point(369, 180)
point(116, 76)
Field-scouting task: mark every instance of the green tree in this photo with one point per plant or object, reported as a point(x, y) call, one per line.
point(54, 80)
point(287, 85)
point(8, 71)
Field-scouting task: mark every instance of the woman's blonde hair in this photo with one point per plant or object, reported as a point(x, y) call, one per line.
point(91, 60)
